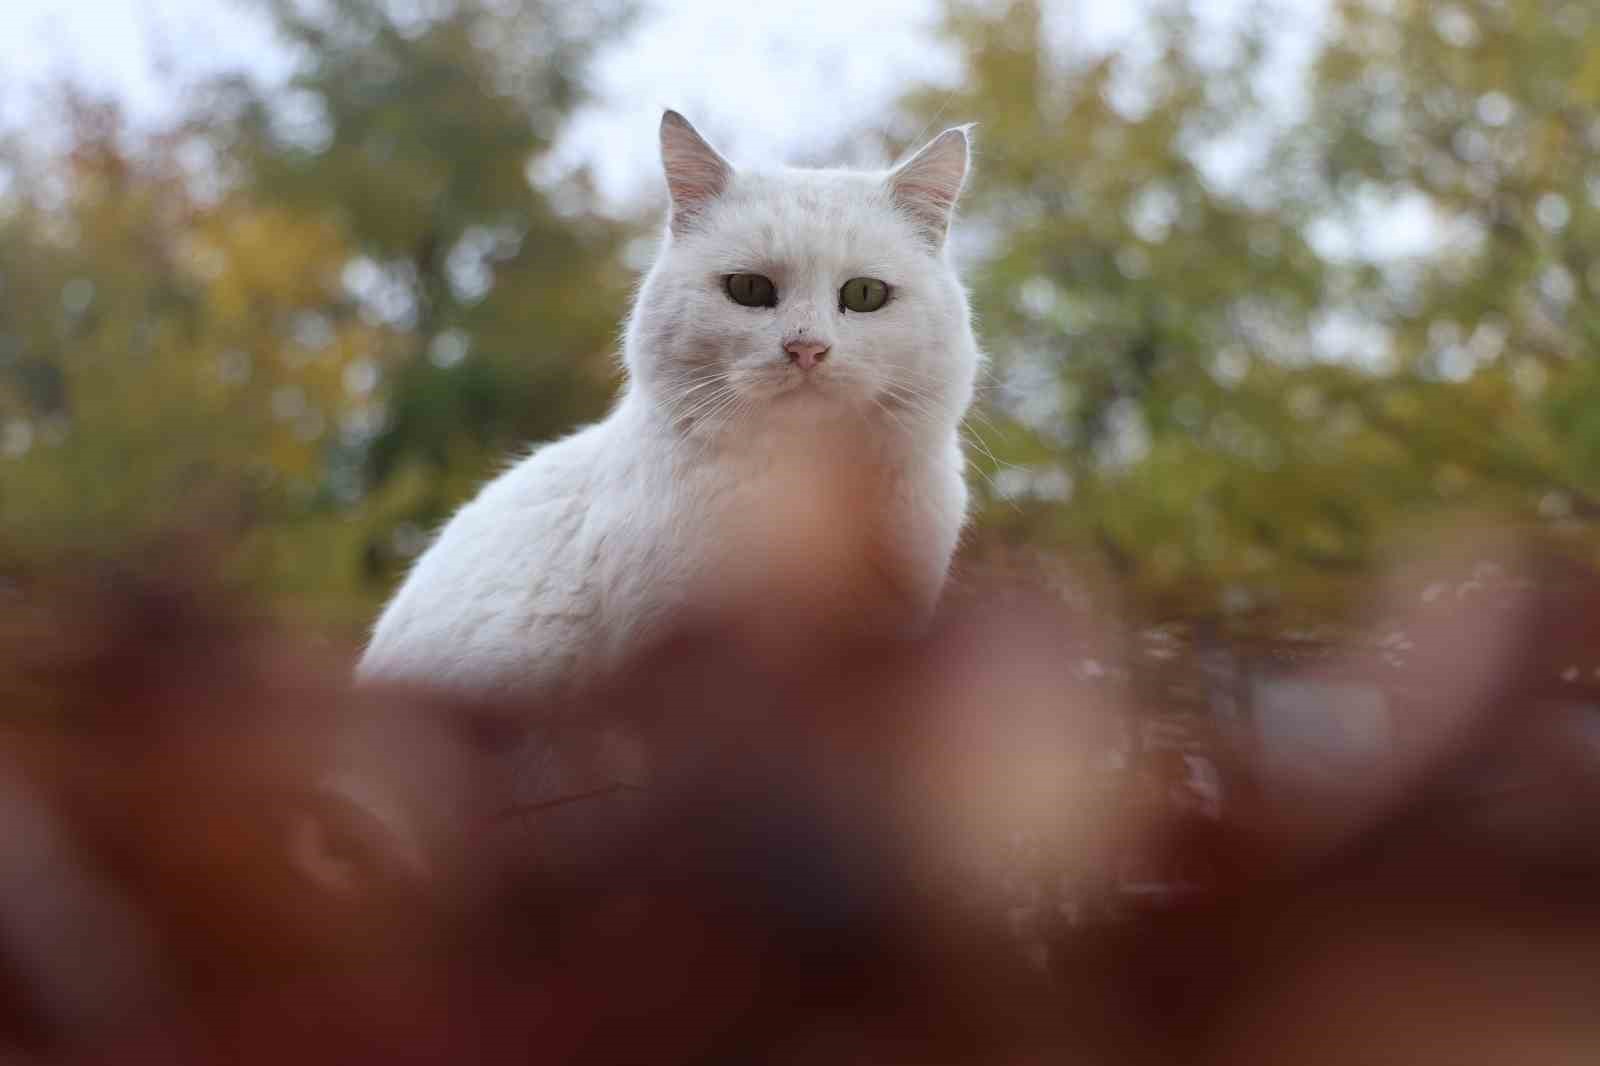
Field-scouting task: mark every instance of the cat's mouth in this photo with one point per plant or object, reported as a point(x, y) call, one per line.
point(801, 394)
point(792, 381)
point(789, 385)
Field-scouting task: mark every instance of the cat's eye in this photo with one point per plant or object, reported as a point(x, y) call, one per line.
point(751, 290)
point(863, 294)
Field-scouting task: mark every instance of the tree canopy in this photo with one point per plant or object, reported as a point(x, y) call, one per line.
point(337, 307)
point(1264, 300)
point(1254, 321)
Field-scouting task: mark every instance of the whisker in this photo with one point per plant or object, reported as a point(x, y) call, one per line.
point(702, 405)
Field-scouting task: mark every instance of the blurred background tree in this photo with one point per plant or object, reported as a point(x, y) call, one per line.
point(339, 306)
point(167, 352)
point(415, 131)
point(1223, 365)
point(1268, 294)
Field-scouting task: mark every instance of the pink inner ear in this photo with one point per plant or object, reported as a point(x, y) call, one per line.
point(925, 193)
point(928, 185)
point(693, 179)
point(696, 174)
point(928, 200)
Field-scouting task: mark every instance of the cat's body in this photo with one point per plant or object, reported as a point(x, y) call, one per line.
point(777, 457)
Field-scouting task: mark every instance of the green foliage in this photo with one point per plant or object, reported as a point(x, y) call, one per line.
point(1217, 368)
point(418, 137)
point(1204, 377)
point(331, 333)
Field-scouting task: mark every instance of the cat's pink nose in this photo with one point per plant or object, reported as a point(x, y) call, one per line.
point(805, 354)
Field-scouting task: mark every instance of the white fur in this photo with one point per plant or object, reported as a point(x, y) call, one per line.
point(727, 479)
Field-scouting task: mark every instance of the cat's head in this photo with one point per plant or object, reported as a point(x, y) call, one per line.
point(808, 292)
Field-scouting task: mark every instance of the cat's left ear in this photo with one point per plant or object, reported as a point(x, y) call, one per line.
point(696, 174)
point(926, 185)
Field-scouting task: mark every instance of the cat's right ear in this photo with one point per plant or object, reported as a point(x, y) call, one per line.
point(696, 174)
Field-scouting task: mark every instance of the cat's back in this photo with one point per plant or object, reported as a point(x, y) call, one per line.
point(502, 596)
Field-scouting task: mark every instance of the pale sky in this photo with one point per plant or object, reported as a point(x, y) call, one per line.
point(762, 80)
point(758, 77)
point(121, 46)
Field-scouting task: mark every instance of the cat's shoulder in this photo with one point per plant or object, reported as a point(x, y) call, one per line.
point(501, 593)
point(554, 468)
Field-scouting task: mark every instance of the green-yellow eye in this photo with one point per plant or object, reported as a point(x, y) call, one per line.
point(863, 294)
point(751, 290)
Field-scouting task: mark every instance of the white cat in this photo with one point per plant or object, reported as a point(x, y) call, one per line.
point(786, 450)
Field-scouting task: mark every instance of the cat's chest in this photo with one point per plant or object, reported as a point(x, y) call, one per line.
point(783, 525)
point(775, 494)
